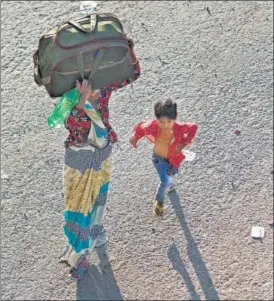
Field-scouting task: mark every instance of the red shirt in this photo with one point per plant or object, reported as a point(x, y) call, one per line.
point(183, 133)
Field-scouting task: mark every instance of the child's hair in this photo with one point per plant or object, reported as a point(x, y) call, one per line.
point(165, 109)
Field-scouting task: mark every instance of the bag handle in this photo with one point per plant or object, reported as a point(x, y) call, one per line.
point(93, 18)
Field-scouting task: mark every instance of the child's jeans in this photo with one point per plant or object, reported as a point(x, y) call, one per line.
point(166, 172)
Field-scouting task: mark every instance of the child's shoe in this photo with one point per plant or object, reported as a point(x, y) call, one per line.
point(171, 188)
point(158, 209)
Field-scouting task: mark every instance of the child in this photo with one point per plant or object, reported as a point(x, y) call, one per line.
point(170, 138)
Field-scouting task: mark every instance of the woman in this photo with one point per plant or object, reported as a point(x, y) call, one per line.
point(87, 171)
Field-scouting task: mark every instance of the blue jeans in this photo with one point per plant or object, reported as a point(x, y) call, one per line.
point(166, 172)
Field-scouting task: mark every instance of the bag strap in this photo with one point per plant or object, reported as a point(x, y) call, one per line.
point(80, 63)
point(93, 19)
point(96, 63)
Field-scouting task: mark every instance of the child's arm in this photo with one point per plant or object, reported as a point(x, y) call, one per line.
point(189, 131)
point(140, 130)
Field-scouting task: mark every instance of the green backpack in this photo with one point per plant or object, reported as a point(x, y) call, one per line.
point(93, 47)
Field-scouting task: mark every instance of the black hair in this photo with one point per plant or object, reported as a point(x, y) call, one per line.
point(165, 109)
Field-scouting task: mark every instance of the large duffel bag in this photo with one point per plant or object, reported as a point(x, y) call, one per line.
point(94, 47)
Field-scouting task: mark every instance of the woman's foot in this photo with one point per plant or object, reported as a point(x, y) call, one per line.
point(62, 258)
point(158, 209)
point(78, 273)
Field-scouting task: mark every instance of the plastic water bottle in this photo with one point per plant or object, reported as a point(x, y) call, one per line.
point(64, 106)
point(189, 156)
point(87, 7)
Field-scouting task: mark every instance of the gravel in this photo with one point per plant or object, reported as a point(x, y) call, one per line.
point(215, 58)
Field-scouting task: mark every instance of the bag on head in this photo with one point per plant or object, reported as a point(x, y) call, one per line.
point(93, 47)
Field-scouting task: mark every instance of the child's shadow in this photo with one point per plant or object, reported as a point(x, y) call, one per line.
point(99, 284)
point(194, 255)
point(179, 265)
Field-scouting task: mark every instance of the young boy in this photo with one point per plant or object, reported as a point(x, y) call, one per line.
point(170, 138)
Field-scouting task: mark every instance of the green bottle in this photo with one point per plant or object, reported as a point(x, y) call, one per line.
point(62, 109)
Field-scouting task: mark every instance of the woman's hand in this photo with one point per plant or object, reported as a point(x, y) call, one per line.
point(84, 88)
point(86, 93)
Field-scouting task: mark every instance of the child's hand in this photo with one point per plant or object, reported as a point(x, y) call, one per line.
point(180, 147)
point(133, 141)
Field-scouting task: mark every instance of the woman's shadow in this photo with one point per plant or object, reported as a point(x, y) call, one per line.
point(194, 256)
point(99, 283)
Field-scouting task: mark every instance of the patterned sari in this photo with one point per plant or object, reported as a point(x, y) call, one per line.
point(86, 182)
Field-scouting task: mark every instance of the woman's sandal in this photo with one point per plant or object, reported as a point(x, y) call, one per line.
point(158, 209)
point(78, 273)
point(63, 260)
